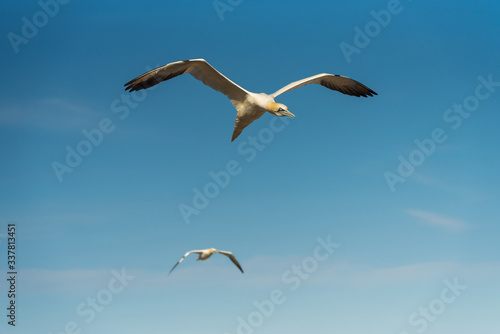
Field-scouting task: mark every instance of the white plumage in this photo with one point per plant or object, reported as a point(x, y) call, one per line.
point(250, 106)
point(207, 253)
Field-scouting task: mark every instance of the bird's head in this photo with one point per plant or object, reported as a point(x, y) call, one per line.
point(212, 250)
point(279, 109)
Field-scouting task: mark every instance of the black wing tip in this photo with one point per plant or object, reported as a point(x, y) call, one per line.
point(130, 86)
point(365, 91)
point(173, 268)
point(133, 87)
point(371, 93)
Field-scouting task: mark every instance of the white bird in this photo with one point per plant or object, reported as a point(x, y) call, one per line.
point(207, 253)
point(250, 106)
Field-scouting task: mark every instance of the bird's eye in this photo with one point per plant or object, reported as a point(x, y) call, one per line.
point(281, 109)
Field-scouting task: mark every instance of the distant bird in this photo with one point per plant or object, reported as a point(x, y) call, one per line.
point(206, 253)
point(250, 106)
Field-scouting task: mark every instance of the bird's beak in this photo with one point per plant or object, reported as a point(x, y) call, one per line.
point(287, 113)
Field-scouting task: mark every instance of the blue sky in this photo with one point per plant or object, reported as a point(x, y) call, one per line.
point(405, 184)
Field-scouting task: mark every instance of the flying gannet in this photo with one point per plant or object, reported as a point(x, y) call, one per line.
point(250, 106)
point(207, 253)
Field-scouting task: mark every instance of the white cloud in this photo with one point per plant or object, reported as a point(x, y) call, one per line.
point(467, 193)
point(435, 219)
point(66, 282)
point(223, 275)
point(51, 114)
point(416, 273)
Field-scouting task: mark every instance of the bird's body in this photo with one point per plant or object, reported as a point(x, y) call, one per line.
point(205, 254)
point(250, 106)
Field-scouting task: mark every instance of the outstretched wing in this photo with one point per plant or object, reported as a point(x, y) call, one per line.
point(233, 259)
point(339, 83)
point(198, 68)
point(182, 258)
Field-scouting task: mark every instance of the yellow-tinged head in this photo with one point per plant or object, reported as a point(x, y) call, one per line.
point(279, 109)
point(212, 250)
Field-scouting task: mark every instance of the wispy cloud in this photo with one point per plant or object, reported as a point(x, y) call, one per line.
point(362, 275)
point(470, 194)
point(63, 281)
point(51, 114)
point(435, 219)
point(335, 273)
point(339, 273)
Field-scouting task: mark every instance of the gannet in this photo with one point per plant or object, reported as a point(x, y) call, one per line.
point(207, 253)
point(250, 106)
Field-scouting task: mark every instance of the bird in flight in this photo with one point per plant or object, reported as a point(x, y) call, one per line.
point(207, 253)
point(250, 106)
